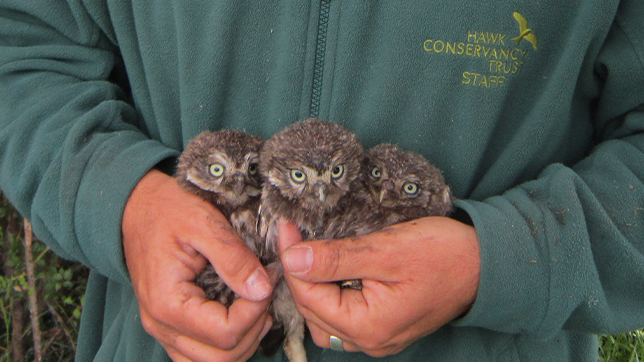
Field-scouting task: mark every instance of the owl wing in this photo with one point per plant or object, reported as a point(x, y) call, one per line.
point(245, 221)
point(267, 230)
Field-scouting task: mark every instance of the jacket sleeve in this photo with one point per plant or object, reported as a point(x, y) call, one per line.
point(70, 148)
point(566, 251)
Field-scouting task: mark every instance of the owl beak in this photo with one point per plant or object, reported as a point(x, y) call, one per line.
point(387, 188)
point(239, 184)
point(321, 190)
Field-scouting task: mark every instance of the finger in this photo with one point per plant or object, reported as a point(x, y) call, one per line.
point(182, 348)
point(234, 262)
point(288, 235)
point(326, 304)
point(174, 355)
point(187, 312)
point(342, 259)
point(322, 338)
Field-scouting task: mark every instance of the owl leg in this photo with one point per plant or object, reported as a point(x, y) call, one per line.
point(294, 342)
point(286, 312)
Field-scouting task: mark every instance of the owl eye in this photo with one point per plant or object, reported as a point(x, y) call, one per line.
point(298, 176)
point(410, 188)
point(375, 172)
point(217, 169)
point(337, 171)
point(252, 169)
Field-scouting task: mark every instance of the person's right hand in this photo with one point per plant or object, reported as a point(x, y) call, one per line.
point(167, 235)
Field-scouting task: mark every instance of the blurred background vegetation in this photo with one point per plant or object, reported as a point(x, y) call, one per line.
point(56, 290)
point(55, 296)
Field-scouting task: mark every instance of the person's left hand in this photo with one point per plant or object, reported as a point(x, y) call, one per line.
point(417, 276)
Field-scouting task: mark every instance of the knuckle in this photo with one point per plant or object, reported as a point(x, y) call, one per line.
point(156, 310)
point(236, 262)
point(148, 324)
point(229, 341)
point(373, 340)
point(319, 339)
point(369, 345)
point(200, 216)
point(165, 310)
point(208, 219)
point(330, 260)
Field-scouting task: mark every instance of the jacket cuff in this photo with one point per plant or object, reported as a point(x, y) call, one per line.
point(514, 280)
point(111, 175)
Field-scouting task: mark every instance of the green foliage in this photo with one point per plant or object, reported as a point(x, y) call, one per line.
point(60, 289)
point(628, 347)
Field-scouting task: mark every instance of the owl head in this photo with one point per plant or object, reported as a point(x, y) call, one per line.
point(222, 167)
point(405, 182)
point(312, 163)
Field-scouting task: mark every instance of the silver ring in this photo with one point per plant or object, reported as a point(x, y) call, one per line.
point(335, 344)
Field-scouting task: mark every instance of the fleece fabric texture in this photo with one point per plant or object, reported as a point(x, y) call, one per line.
point(533, 110)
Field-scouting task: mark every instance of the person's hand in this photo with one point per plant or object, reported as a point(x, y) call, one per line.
point(166, 234)
point(417, 276)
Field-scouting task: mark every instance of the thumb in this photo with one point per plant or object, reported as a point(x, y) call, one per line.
point(300, 255)
point(288, 235)
point(234, 262)
point(330, 260)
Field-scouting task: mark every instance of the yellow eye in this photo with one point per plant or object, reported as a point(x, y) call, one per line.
point(298, 176)
point(410, 188)
point(337, 171)
point(375, 172)
point(252, 169)
point(217, 169)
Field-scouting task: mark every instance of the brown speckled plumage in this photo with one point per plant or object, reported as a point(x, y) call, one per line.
point(398, 186)
point(316, 175)
point(221, 168)
point(309, 170)
point(408, 187)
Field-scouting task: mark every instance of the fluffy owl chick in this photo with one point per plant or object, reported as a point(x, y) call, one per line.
point(404, 185)
point(399, 186)
point(222, 168)
point(309, 170)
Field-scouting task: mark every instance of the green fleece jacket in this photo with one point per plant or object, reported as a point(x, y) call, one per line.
point(534, 110)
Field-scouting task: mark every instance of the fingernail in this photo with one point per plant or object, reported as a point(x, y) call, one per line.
point(299, 260)
point(258, 285)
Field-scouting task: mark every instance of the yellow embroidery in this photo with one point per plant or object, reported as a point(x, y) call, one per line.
point(486, 38)
point(473, 50)
point(480, 80)
point(502, 59)
point(525, 32)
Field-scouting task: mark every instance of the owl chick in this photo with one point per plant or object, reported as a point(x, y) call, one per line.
point(222, 168)
point(309, 170)
point(404, 185)
point(399, 186)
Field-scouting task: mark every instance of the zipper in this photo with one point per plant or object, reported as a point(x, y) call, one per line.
point(320, 50)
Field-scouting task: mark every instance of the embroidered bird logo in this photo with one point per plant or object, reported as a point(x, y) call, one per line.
point(526, 33)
